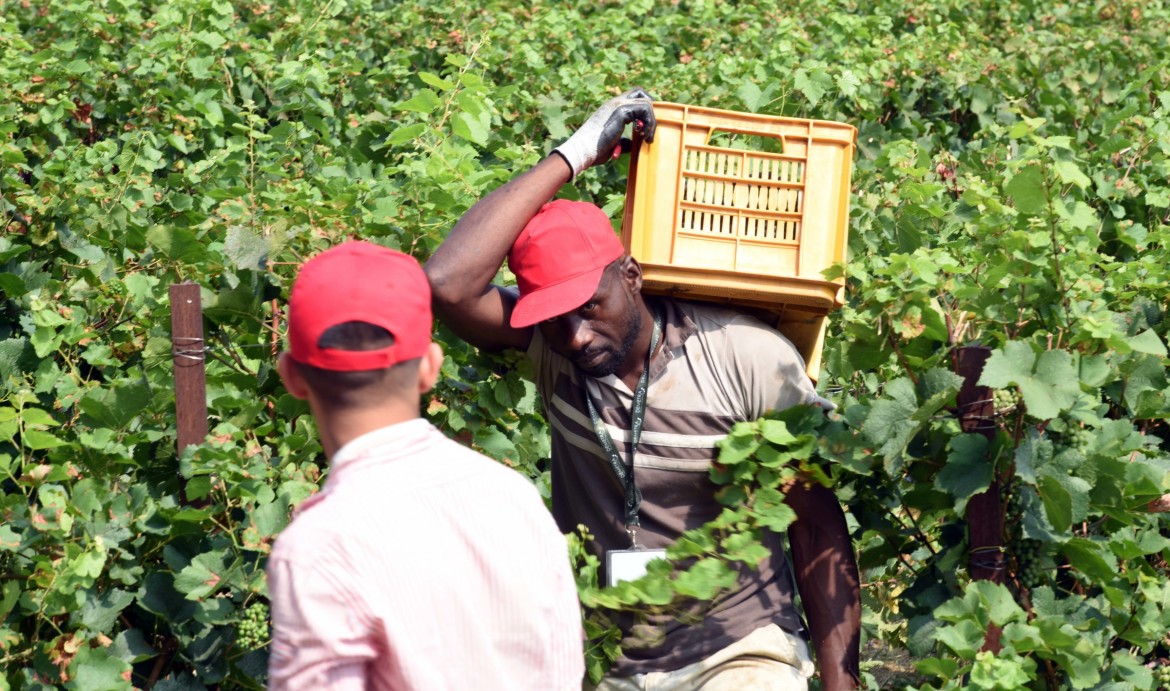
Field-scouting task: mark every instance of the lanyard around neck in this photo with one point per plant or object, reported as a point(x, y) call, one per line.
point(633, 498)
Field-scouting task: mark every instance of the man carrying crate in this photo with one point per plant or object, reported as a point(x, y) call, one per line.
point(637, 392)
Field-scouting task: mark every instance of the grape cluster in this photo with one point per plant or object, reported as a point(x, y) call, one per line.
point(1029, 562)
point(1078, 437)
point(1162, 676)
point(1005, 400)
point(1030, 558)
point(252, 629)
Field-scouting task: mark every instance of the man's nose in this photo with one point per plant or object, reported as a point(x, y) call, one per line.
point(578, 335)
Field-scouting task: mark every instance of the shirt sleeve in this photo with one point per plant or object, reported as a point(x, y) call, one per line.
point(319, 638)
point(770, 371)
point(567, 640)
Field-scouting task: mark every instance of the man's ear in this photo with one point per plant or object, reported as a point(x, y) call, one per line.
point(429, 367)
point(631, 272)
point(294, 383)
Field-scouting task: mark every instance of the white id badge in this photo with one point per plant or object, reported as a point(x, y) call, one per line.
point(628, 564)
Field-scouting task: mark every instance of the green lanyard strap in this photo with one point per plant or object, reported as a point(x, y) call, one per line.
point(625, 475)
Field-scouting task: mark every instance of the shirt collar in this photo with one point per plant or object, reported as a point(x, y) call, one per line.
point(389, 437)
point(677, 327)
point(375, 445)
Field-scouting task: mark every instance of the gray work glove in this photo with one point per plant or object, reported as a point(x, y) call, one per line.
point(600, 138)
point(822, 403)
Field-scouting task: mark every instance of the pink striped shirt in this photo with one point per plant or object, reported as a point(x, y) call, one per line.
point(422, 565)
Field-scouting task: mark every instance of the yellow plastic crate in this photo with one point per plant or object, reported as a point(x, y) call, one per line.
point(745, 209)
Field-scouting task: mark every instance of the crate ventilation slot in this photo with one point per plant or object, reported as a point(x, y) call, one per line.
point(740, 195)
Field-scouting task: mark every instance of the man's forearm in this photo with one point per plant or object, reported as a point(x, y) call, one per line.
point(464, 265)
point(462, 268)
point(829, 583)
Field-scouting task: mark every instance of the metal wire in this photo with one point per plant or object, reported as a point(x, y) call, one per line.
point(990, 557)
point(188, 351)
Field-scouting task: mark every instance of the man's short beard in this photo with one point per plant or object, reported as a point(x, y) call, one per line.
point(633, 328)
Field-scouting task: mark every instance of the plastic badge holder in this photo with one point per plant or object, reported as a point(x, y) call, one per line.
point(744, 209)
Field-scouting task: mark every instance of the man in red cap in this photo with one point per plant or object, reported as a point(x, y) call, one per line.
point(421, 564)
point(637, 392)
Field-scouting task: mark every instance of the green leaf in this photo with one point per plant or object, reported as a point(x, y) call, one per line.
point(1130, 669)
point(130, 646)
point(11, 284)
point(776, 432)
point(964, 638)
point(1066, 499)
point(38, 417)
point(9, 539)
point(140, 286)
point(891, 422)
point(771, 510)
point(203, 576)
point(212, 111)
point(1023, 637)
point(1034, 517)
point(473, 122)
point(178, 244)
point(740, 443)
point(102, 609)
point(968, 470)
point(9, 594)
point(115, 406)
point(88, 565)
point(96, 669)
point(210, 39)
point(270, 518)
point(495, 443)
point(847, 82)
point(1147, 342)
point(435, 80)
point(939, 667)
point(938, 382)
point(1028, 190)
point(813, 83)
point(1067, 169)
point(751, 96)
point(1000, 602)
point(246, 248)
point(1090, 557)
point(385, 210)
point(406, 133)
point(704, 579)
point(1001, 672)
point(425, 102)
point(38, 441)
point(1048, 384)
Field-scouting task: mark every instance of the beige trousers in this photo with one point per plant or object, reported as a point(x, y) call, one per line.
point(768, 659)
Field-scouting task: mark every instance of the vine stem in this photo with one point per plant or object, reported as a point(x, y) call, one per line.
point(1060, 284)
point(159, 665)
point(892, 339)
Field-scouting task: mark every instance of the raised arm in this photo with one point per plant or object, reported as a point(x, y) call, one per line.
point(829, 584)
point(462, 268)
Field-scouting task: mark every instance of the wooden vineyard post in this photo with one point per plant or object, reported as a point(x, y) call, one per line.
point(188, 350)
point(985, 560)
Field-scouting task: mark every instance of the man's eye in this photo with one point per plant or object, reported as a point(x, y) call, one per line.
point(589, 306)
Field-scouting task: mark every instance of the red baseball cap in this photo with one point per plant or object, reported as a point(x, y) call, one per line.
point(359, 282)
point(558, 259)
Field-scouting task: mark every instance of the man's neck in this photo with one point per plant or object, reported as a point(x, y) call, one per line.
point(338, 429)
point(631, 368)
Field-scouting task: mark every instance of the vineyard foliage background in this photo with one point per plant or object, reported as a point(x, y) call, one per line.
point(1010, 190)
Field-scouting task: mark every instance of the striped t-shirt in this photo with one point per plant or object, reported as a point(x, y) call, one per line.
point(718, 367)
